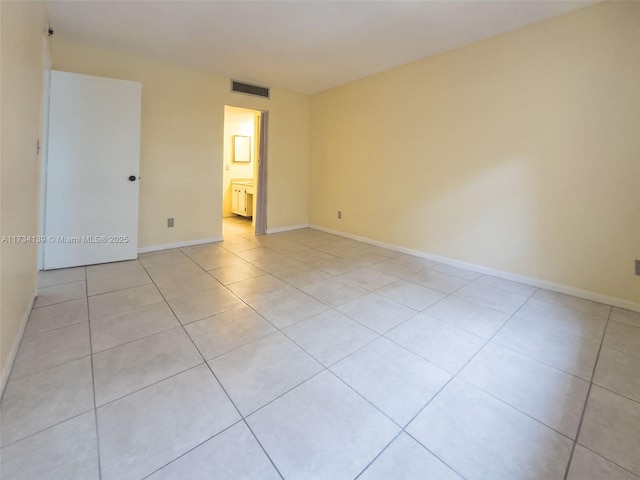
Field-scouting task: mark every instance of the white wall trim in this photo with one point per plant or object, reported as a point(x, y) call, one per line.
point(44, 151)
point(16, 344)
point(536, 282)
point(188, 243)
point(287, 229)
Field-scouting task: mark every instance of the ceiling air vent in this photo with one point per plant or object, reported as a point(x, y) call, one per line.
point(247, 88)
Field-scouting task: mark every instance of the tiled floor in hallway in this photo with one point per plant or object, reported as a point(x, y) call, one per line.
point(304, 355)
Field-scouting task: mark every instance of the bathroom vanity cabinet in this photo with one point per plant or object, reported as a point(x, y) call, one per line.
point(242, 198)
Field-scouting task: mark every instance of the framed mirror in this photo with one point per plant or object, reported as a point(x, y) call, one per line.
point(241, 148)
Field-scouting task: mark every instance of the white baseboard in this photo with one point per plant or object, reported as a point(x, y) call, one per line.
point(287, 229)
point(6, 370)
point(188, 243)
point(536, 282)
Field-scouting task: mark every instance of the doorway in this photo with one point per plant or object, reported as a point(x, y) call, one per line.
point(244, 174)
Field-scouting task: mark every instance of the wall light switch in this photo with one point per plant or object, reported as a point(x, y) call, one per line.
point(169, 222)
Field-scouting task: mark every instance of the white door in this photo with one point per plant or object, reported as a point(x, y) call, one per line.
point(92, 172)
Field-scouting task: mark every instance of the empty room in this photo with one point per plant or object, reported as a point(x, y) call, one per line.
point(320, 240)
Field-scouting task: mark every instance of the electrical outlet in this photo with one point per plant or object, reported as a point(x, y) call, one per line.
point(339, 213)
point(169, 222)
point(637, 267)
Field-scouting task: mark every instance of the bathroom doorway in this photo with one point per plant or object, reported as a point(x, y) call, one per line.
point(244, 170)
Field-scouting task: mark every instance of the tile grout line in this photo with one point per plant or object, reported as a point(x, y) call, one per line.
point(58, 303)
point(491, 394)
point(403, 428)
point(120, 289)
point(444, 386)
point(487, 342)
point(586, 399)
point(510, 348)
point(57, 328)
point(93, 380)
point(328, 368)
point(129, 342)
point(324, 368)
point(221, 284)
point(262, 447)
point(48, 428)
point(242, 418)
point(38, 287)
point(422, 312)
point(164, 301)
point(86, 298)
point(515, 316)
point(144, 477)
point(379, 454)
point(634, 475)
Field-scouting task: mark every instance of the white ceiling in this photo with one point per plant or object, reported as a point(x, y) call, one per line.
point(304, 46)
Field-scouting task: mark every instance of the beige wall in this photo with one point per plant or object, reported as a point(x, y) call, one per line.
point(23, 26)
point(181, 161)
point(237, 121)
point(519, 153)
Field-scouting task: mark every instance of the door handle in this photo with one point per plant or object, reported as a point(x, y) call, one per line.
point(132, 178)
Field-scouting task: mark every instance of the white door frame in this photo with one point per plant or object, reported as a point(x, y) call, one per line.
point(44, 146)
point(262, 177)
point(260, 202)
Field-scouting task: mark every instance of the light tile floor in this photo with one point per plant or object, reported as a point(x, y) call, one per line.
point(305, 355)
